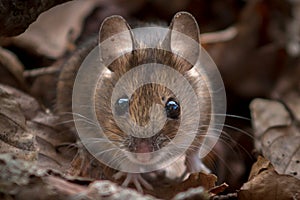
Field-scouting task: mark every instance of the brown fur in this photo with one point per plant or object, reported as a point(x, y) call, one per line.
point(144, 97)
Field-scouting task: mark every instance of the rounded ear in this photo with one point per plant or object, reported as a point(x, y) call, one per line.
point(184, 37)
point(115, 38)
point(185, 23)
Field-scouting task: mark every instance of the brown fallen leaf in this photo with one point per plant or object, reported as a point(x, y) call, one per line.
point(279, 139)
point(218, 189)
point(165, 187)
point(265, 183)
point(21, 180)
point(15, 136)
point(18, 178)
point(168, 188)
point(99, 190)
point(30, 133)
point(193, 193)
point(28, 105)
point(265, 114)
point(55, 29)
point(281, 145)
point(16, 16)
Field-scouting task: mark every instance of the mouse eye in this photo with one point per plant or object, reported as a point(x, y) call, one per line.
point(121, 106)
point(172, 108)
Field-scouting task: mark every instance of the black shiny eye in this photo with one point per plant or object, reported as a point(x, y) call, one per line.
point(172, 108)
point(121, 106)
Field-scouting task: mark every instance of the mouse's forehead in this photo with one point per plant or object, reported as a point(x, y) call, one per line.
point(145, 82)
point(151, 90)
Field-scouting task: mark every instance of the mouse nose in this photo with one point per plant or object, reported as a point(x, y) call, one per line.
point(141, 145)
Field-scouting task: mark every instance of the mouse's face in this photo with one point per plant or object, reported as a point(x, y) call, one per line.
point(144, 118)
point(143, 122)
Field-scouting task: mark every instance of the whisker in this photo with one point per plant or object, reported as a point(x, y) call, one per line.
point(240, 130)
point(230, 115)
point(229, 137)
point(96, 156)
point(214, 162)
point(220, 158)
point(234, 128)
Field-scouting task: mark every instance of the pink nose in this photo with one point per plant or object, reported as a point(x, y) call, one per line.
point(143, 146)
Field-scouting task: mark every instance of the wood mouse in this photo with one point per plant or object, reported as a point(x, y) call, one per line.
point(143, 119)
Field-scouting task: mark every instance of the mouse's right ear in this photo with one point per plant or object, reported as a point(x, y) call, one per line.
point(183, 37)
point(115, 38)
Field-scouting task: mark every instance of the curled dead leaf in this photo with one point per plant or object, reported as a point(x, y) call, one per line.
point(265, 183)
point(55, 29)
point(277, 136)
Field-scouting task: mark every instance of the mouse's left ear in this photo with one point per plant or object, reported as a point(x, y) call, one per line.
point(184, 37)
point(115, 38)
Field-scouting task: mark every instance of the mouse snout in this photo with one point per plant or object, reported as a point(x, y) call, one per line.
point(141, 145)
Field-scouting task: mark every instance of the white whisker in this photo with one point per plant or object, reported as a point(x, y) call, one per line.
point(229, 115)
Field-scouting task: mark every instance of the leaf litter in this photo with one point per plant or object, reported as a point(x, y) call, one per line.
point(40, 154)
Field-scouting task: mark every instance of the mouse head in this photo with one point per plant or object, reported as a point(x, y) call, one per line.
point(143, 99)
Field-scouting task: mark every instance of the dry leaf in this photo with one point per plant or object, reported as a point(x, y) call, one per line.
point(218, 189)
point(164, 187)
point(24, 180)
point(268, 113)
point(265, 114)
point(277, 136)
point(260, 165)
point(28, 105)
point(30, 133)
point(281, 145)
point(267, 184)
point(107, 190)
point(193, 193)
point(16, 16)
point(15, 136)
point(15, 173)
point(56, 29)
